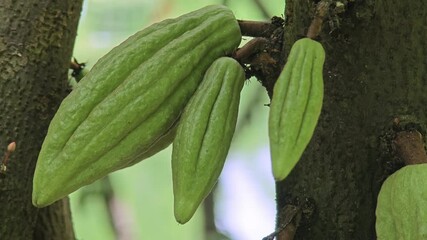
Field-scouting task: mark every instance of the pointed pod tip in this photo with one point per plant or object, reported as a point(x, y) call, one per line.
point(184, 210)
point(182, 218)
point(279, 177)
point(281, 172)
point(46, 190)
point(38, 201)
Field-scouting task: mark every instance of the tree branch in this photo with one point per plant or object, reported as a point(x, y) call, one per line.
point(256, 28)
point(249, 49)
point(316, 25)
point(291, 219)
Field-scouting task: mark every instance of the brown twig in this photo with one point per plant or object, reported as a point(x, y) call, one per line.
point(262, 57)
point(410, 147)
point(255, 28)
point(252, 47)
point(288, 233)
point(320, 15)
point(289, 227)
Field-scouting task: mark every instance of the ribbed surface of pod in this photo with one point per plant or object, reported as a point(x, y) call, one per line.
point(125, 108)
point(296, 105)
point(204, 136)
point(402, 205)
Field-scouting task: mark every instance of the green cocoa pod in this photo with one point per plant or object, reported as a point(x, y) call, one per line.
point(204, 136)
point(402, 205)
point(296, 105)
point(126, 108)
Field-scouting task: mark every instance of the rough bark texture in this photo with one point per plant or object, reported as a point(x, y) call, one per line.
point(375, 70)
point(36, 40)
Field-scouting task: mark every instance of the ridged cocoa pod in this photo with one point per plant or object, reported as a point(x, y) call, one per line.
point(126, 108)
point(296, 105)
point(204, 136)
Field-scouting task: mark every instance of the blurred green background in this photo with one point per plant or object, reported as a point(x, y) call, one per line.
point(137, 203)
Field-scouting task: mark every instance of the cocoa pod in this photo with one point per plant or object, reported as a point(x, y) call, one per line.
point(296, 105)
point(126, 108)
point(204, 136)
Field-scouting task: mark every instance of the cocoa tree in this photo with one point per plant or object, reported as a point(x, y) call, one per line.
point(36, 42)
point(374, 74)
point(374, 78)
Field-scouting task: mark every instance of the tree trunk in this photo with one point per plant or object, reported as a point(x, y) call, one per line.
point(36, 42)
point(375, 72)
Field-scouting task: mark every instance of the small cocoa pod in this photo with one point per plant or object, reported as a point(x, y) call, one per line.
point(296, 105)
point(204, 136)
point(402, 205)
point(126, 108)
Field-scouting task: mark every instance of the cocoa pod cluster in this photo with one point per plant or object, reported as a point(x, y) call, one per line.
point(174, 82)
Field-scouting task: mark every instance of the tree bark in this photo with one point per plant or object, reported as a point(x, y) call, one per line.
point(375, 71)
point(36, 42)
